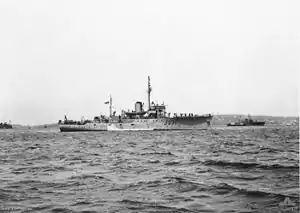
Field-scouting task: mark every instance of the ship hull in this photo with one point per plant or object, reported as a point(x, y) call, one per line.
point(76, 128)
point(165, 124)
point(6, 126)
point(262, 123)
point(243, 124)
point(89, 127)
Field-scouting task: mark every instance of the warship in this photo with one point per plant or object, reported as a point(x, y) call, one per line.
point(155, 118)
point(247, 122)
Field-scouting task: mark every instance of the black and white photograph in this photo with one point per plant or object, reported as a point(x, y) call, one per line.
point(139, 106)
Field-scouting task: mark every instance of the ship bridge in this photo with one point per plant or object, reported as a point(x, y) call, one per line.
point(157, 110)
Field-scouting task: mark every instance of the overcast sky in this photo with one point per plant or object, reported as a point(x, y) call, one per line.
point(66, 56)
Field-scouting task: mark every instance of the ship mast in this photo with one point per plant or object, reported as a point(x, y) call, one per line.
point(149, 92)
point(110, 106)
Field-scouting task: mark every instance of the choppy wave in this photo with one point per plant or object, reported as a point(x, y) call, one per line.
point(246, 165)
point(219, 170)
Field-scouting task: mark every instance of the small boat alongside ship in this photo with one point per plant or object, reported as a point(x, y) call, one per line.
point(247, 122)
point(155, 118)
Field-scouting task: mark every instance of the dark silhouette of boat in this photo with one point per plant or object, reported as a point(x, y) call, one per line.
point(247, 122)
point(154, 118)
point(5, 126)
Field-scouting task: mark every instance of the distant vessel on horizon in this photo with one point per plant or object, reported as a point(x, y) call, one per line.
point(5, 125)
point(247, 122)
point(155, 118)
